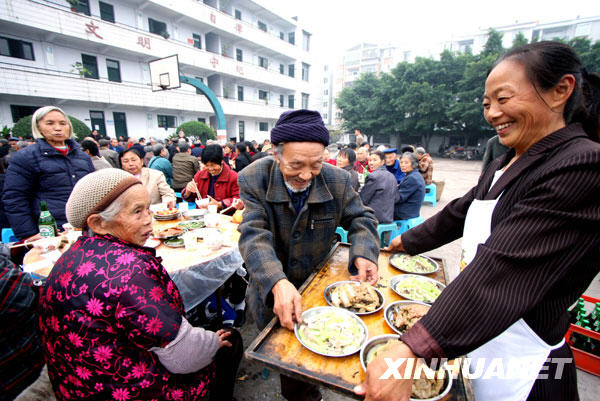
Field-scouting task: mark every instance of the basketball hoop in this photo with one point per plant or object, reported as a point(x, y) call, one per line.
point(164, 73)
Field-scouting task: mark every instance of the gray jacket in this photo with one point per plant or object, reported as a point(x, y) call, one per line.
point(379, 193)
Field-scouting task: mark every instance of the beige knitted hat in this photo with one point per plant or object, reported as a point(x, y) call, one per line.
point(95, 192)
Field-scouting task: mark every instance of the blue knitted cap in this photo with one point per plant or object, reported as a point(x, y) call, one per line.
point(300, 126)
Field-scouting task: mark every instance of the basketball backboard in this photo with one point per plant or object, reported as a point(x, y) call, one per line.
point(164, 73)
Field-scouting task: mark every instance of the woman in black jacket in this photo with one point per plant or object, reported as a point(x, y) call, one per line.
point(243, 158)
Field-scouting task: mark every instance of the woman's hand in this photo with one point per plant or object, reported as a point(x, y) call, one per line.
point(395, 245)
point(237, 203)
point(33, 238)
point(223, 334)
point(171, 204)
point(191, 187)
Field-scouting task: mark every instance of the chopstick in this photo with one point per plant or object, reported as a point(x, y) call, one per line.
point(226, 209)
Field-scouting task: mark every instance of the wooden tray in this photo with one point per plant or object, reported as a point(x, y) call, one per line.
point(279, 349)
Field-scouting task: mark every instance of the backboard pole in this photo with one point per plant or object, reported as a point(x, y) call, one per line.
point(214, 102)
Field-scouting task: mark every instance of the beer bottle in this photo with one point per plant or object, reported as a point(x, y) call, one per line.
point(47, 223)
point(594, 316)
point(576, 310)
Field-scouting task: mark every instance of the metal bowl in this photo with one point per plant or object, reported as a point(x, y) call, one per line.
point(394, 281)
point(321, 309)
point(327, 295)
point(396, 265)
point(373, 342)
point(387, 314)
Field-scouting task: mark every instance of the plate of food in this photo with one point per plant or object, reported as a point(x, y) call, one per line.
point(432, 385)
point(191, 224)
point(415, 264)
point(166, 214)
point(174, 242)
point(416, 288)
point(168, 232)
point(357, 297)
point(330, 331)
point(402, 315)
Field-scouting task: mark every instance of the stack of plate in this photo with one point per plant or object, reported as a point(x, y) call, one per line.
point(166, 217)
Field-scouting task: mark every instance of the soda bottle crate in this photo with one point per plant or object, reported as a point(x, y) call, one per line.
point(584, 360)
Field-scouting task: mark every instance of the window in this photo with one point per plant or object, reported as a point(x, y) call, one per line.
point(241, 129)
point(281, 69)
point(263, 126)
point(291, 101)
point(325, 80)
point(166, 121)
point(197, 40)
point(263, 95)
point(90, 63)
point(120, 124)
point(157, 27)
point(16, 48)
point(262, 26)
point(239, 55)
point(263, 62)
point(305, 41)
point(324, 116)
point(305, 100)
point(107, 12)
point(114, 70)
point(325, 104)
point(305, 68)
point(198, 91)
point(241, 93)
point(292, 37)
point(19, 112)
point(326, 92)
point(238, 14)
point(83, 7)
point(281, 100)
point(291, 70)
point(281, 35)
point(201, 119)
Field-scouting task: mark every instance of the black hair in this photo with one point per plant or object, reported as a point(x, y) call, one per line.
point(241, 147)
point(352, 146)
point(379, 153)
point(134, 150)
point(349, 153)
point(90, 146)
point(212, 153)
point(250, 146)
point(156, 149)
point(546, 63)
point(408, 149)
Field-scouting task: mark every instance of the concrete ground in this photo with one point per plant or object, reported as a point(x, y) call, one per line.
point(254, 383)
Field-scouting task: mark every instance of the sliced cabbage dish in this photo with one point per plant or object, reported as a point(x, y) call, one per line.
point(332, 333)
point(418, 289)
point(413, 264)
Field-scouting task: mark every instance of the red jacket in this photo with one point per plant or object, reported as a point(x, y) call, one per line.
point(226, 186)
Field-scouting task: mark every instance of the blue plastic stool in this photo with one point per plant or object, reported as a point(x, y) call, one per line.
point(405, 225)
point(342, 233)
point(430, 194)
point(384, 228)
point(178, 196)
point(8, 235)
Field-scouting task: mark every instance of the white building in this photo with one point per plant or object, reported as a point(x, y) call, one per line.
point(256, 62)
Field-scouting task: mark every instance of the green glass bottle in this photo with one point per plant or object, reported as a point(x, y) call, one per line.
point(47, 223)
point(577, 310)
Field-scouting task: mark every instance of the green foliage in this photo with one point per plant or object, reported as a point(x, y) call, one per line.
point(519, 40)
point(429, 96)
point(195, 130)
point(22, 127)
point(5, 132)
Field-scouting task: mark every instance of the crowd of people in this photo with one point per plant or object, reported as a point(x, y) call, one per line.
point(112, 324)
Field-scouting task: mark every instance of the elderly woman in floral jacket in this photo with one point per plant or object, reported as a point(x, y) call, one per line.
point(112, 321)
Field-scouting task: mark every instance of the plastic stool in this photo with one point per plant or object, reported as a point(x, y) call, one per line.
point(8, 235)
point(342, 233)
point(430, 194)
point(384, 228)
point(405, 225)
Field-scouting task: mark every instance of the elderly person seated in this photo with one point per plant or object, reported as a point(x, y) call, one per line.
point(91, 149)
point(345, 160)
point(362, 160)
point(379, 191)
point(392, 164)
point(153, 180)
point(216, 181)
point(425, 164)
point(112, 320)
point(45, 171)
point(161, 162)
point(411, 189)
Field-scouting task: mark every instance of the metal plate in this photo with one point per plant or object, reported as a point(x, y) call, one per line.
point(327, 295)
point(394, 281)
point(192, 224)
point(314, 312)
point(395, 259)
point(175, 242)
point(387, 314)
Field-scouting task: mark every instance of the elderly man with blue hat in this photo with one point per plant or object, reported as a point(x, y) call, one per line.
point(294, 203)
point(392, 164)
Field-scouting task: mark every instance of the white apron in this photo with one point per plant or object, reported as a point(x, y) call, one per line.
point(521, 350)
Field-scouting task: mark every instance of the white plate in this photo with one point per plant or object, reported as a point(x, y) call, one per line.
point(152, 243)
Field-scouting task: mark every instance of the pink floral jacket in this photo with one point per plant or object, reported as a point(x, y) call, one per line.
point(106, 303)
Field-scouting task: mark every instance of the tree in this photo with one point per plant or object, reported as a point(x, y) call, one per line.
point(519, 40)
point(22, 127)
point(195, 130)
point(493, 45)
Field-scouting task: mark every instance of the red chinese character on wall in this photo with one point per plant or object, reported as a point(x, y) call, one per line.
point(214, 62)
point(240, 69)
point(238, 27)
point(92, 28)
point(144, 42)
point(213, 18)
